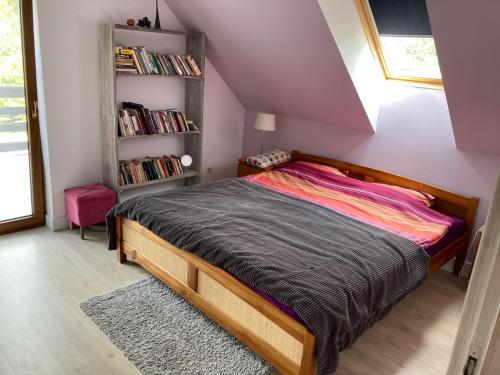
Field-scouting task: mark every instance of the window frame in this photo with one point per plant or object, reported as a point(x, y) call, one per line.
point(37, 217)
point(373, 37)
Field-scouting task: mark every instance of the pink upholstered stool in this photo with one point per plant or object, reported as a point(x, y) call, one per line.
point(88, 205)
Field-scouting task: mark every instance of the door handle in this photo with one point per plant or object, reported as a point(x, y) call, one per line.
point(34, 112)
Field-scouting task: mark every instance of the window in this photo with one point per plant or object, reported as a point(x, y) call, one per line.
point(400, 35)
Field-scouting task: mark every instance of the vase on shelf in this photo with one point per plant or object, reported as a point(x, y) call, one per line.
point(157, 19)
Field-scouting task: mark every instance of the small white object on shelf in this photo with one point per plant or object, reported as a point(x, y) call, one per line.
point(186, 161)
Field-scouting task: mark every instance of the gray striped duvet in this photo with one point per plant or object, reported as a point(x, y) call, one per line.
point(338, 274)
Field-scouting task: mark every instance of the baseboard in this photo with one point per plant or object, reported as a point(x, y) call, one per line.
point(56, 224)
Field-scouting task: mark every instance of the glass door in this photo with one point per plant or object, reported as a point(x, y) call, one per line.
point(21, 181)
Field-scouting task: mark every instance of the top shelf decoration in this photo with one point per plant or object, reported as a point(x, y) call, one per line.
point(145, 22)
point(157, 19)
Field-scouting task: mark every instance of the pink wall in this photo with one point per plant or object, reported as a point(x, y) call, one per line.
point(223, 119)
point(414, 138)
point(466, 34)
point(69, 97)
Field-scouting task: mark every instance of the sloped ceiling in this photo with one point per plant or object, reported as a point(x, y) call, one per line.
point(277, 56)
point(467, 36)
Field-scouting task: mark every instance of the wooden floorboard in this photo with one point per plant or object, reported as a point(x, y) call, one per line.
point(44, 276)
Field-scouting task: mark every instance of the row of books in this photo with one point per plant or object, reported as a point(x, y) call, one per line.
point(141, 61)
point(149, 169)
point(124, 61)
point(134, 119)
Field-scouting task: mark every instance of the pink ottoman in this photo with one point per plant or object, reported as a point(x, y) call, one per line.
point(87, 205)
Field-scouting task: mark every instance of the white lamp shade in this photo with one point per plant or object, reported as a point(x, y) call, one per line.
point(265, 121)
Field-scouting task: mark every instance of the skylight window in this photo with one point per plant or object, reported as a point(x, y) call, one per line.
point(400, 35)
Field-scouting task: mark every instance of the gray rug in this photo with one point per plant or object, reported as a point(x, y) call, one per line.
point(160, 333)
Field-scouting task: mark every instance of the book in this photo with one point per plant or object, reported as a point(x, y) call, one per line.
point(127, 70)
point(169, 65)
point(159, 61)
point(139, 60)
point(134, 119)
point(191, 126)
point(154, 63)
point(124, 60)
point(135, 57)
point(194, 67)
point(182, 64)
point(144, 114)
point(175, 64)
point(149, 169)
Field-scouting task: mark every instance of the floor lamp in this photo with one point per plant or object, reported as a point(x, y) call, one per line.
point(265, 122)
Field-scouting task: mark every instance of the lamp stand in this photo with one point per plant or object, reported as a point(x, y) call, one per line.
point(261, 142)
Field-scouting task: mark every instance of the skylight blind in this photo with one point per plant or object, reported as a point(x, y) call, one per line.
point(401, 17)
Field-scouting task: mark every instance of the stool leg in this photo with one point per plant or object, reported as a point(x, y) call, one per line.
point(82, 232)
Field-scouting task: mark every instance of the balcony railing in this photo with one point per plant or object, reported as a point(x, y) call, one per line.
point(12, 119)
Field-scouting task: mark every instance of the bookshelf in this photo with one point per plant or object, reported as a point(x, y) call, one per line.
point(154, 91)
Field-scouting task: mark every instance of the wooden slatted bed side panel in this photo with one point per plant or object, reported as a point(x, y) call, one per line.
point(289, 324)
point(282, 341)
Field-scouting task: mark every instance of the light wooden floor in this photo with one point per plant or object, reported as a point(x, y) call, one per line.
point(45, 275)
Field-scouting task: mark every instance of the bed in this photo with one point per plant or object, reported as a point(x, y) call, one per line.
point(272, 305)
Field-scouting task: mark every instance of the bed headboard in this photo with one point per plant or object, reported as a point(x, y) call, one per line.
point(446, 202)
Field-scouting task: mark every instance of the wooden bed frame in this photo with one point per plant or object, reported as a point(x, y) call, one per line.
point(281, 340)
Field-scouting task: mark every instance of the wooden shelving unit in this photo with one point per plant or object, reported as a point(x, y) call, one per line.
point(193, 105)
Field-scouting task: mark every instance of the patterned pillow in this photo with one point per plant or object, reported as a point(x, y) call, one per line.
point(261, 161)
point(278, 156)
point(267, 159)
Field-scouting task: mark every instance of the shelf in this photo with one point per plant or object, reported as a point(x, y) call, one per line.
point(132, 137)
point(159, 31)
point(118, 73)
point(160, 181)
